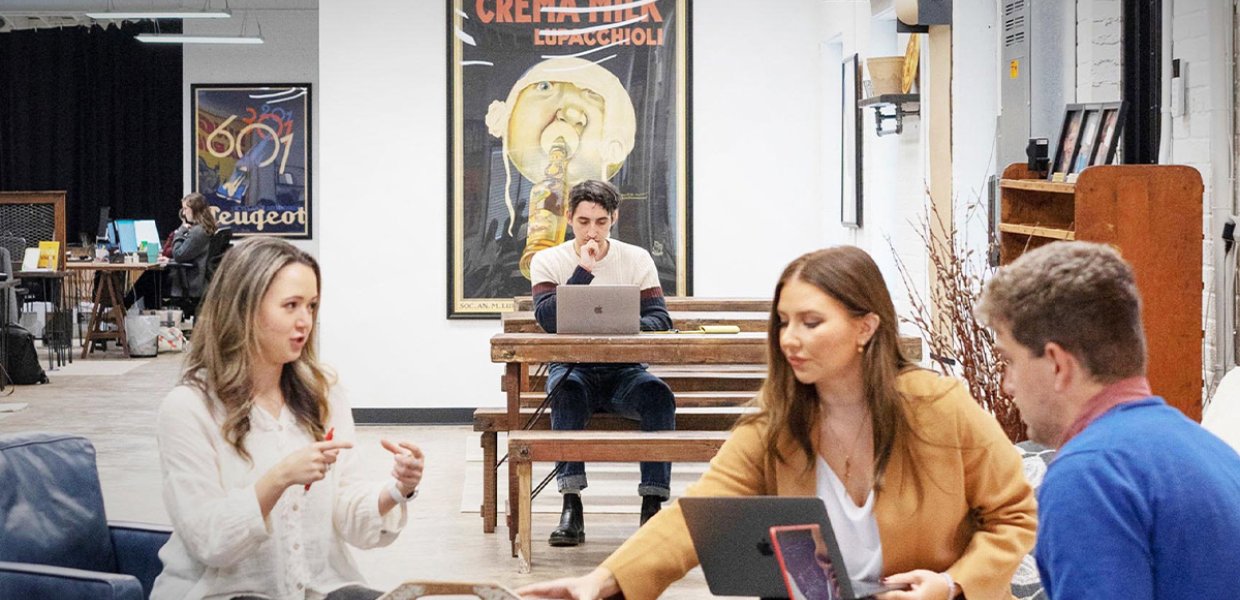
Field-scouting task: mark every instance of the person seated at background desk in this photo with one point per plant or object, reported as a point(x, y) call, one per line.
point(1140, 502)
point(921, 484)
point(592, 256)
point(247, 433)
point(188, 246)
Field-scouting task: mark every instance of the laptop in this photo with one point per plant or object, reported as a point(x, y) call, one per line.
point(732, 536)
point(599, 308)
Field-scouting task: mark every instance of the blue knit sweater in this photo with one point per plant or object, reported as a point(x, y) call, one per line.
point(1143, 503)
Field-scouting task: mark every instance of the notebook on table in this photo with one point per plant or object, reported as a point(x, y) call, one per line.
point(599, 308)
point(733, 539)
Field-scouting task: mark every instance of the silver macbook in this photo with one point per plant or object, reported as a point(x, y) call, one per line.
point(610, 309)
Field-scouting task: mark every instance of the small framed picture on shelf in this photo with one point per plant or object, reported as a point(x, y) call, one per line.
point(1069, 141)
point(1088, 136)
point(1108, 138)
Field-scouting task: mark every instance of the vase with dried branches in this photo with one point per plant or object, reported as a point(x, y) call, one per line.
point(960, 345)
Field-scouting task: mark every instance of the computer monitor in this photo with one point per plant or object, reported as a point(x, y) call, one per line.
point(126, 235)
point(146, 231)
point(101, 232)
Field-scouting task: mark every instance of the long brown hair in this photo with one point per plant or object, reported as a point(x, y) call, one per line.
point(200, 212)
point(849, 275)
point(226, 344)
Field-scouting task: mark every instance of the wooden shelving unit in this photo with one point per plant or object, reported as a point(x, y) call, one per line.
point(1152, 214)
point(1035, 231)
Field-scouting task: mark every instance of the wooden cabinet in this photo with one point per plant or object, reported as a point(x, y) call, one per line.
point(1153, 215)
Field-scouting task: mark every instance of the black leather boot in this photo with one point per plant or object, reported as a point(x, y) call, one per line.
point(650, 506)
point(572, 529)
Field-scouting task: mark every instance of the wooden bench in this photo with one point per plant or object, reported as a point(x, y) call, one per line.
point(491, 421)
point(524, 321)
point(528, 447)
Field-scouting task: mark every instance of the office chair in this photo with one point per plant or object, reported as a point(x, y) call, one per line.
point(55, 540)
point(220, 242)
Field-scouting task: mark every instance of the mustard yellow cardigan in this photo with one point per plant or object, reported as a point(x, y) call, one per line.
point(974, 517)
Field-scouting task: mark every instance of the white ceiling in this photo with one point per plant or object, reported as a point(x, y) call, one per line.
point(36, 14)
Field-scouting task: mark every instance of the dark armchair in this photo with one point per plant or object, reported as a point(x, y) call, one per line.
point(55, 541)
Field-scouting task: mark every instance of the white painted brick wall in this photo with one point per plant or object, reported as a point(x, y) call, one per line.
point(1098, 36)
point(1196, 141)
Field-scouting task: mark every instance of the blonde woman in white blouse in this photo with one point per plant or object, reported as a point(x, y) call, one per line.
point(259, 477)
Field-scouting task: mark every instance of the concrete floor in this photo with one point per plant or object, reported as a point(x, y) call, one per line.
point(117, 413)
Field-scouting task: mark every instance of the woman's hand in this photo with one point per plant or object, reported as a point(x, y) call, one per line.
point(599, 583)
point(304, 466)
point(925, 585)
point(309, 464)
point(409, 462)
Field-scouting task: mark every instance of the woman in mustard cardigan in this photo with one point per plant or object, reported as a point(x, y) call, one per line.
point(922, 486)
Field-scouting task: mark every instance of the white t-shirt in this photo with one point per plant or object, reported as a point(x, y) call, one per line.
point(624, 264)
point(856, 529)
point(222, 546)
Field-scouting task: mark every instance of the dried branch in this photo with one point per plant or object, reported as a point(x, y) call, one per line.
point(960, 345)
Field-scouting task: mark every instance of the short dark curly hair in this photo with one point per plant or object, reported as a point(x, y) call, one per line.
point(601, 193)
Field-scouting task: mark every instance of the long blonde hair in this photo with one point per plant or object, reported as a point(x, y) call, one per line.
point(792, 408)
point(226, 344)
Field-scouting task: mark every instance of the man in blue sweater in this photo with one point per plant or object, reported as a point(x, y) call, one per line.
point(1140, 502)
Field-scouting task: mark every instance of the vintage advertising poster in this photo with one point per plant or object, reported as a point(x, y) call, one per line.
point(252, 156)
point(545, 94)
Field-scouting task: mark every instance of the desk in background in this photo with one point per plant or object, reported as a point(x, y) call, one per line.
point(109, 300)
point(57, 323)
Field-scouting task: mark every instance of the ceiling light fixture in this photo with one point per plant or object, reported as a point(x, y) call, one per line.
point(163, 38)
point(165, 14)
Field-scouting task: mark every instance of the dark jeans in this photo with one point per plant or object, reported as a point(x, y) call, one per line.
point(623, 389)
point(348, 592)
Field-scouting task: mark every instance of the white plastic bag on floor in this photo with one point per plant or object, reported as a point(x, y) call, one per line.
point(143, 334)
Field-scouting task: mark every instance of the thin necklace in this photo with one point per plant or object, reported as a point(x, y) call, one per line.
point(848, 454)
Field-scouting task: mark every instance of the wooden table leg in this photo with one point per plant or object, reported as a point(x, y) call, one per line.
point(96, 311)
point(525, 473)
point(118, 310)
point(490, 494)
point(512, 385)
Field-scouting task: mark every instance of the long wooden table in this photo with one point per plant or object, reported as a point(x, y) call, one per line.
point(685, 303)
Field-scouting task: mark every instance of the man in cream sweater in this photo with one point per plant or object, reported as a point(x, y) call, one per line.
point(624, 389)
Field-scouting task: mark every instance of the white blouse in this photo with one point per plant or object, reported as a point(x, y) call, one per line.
point(222, 546)
point(856, 529)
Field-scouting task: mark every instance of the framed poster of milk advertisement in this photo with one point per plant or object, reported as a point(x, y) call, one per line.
point(545, 95)
point(252, 156)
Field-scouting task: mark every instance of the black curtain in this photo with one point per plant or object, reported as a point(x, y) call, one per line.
point(98, 114)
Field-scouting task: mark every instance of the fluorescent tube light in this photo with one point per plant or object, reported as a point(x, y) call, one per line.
point(166, 14)
point(160, 38)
